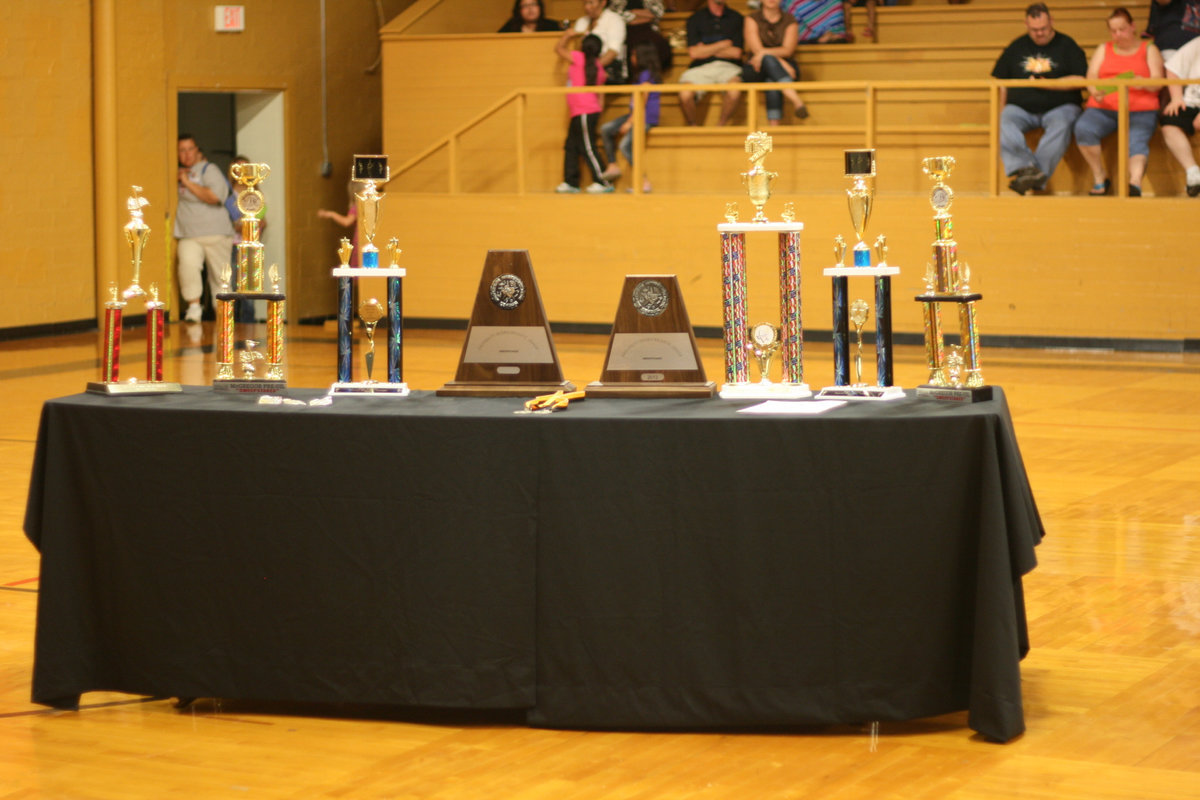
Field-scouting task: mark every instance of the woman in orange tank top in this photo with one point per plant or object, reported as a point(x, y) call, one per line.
point(1126, 56)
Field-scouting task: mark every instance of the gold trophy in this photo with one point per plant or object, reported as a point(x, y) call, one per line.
point(860, 198)
point(137, 232)
point(787, 338)
point(763, 344)
point(954, 375)
point(370, 170)
point(860, 167)
point(859, 312)
point(370, 312)
point(248, 286)
point(758, 179)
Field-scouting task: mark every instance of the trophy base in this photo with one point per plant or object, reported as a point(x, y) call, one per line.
point(765, 390)
point(643, 390)
point(250, 386)
point(955, 394)
point(492, 389)
point(860, 393)
point(133, 387)
point(369, 388)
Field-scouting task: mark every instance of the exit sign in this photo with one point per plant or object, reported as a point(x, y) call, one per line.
point(230, 19)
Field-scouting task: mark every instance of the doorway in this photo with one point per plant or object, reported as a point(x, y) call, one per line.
point(248, 123)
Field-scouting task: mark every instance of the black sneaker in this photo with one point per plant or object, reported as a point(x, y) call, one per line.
point(1193, 189)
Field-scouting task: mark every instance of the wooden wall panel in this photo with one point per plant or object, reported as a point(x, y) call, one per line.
point(1057, 267)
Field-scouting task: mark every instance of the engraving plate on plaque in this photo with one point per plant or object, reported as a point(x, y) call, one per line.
point(652, 351)
point(497, 344)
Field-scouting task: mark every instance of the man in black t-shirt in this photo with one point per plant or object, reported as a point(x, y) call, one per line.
point(1042, 55)
point(714, 37)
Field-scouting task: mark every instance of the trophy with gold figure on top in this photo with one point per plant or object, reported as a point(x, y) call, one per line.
point(137, 233)
point(741, 341)
point(860, 198)
point(954, 373)
point(370, 171)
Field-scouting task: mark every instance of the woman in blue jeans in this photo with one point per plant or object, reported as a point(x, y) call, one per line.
point(770, 38)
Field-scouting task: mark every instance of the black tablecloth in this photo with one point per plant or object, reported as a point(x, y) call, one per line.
point(624, 563)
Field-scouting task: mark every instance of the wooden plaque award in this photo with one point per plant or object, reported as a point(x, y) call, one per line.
point(652, 350)
point(508, 351)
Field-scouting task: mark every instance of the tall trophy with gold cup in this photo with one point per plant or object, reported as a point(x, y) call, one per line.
point(860, 198)
point(137, 233)
point(954, 373)
point(246, 281)
point(370, 171)
point(741, 342)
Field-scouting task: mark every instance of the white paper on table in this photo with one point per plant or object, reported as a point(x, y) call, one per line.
point(792, 408)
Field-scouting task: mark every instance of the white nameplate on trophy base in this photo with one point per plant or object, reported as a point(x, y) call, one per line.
point(369, 272)
point(368, 388)
point(517, 344)
point(861, 393)
point(133, 387)
point(765, 390)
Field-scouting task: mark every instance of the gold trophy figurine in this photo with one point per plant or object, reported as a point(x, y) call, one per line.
point(860, 167)
point(731, 212)
point(137, 232)
point(393, 251)
point(370, 312)
point(758, 180)
point(859, 312)
point(345, 250)
point(839, 250)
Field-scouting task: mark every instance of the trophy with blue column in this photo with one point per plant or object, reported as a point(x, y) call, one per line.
point(860, 169)
point(370, 171)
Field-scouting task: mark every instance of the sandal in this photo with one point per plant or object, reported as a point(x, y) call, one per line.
point(1100, 189)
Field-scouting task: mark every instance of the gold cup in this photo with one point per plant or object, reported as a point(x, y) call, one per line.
point(758, 179)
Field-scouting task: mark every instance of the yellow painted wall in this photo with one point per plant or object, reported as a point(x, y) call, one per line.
point(52, 254)
point(45, 158)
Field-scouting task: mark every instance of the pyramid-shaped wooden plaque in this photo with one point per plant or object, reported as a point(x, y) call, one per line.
point(509, 351)
point(652, 350)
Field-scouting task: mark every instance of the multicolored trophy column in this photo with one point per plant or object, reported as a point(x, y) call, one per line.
point(137, 233)
point(954, 372)
point(792, 333)
point(248, 287)
point(369, 170)
point(860, 168)
point(733, 299)
point(764, 339)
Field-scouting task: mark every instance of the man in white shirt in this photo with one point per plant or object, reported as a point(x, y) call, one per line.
point(202, 225)
point(602, 21)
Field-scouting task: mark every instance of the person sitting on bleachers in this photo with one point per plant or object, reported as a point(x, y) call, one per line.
point(1039, 56)
point(1178, 119)
point(602, 21)
point(529, 16)
point(1173, 23)
point(715, 39)
point(820, 21)
point(641, 25)
point(770, 38)
point(1122, 57)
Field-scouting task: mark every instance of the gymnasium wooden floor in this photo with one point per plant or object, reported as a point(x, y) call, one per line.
point(1111, 687)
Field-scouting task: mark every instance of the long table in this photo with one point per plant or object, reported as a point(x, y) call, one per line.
point(620, 564)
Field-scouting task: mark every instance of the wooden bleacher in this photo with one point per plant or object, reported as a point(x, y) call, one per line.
point(486, 178)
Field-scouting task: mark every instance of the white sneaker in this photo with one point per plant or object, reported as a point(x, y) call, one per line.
point(599, 188)
point(566, 188)
point(194, 313)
